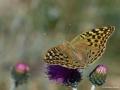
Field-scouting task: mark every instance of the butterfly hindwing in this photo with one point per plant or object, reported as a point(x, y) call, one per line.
point(60, 55)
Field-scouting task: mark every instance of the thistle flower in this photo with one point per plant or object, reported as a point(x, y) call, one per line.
point(64, 76)
point(98, 76)
point(20, 73)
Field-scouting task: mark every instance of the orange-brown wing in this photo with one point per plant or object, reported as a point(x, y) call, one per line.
point(81, 51)
point(92, 43)
point(62, 55)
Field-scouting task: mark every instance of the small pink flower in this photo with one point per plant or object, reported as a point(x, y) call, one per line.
point(102, 69)
point(22, 68)
point(20, 73)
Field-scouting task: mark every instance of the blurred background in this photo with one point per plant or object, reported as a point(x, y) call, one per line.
point(29, 27)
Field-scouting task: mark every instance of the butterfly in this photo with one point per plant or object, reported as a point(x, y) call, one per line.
point(82, 51)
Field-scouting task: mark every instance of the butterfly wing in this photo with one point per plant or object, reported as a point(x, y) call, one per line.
point(81, 51)
point(60, 55)
point(92, 43)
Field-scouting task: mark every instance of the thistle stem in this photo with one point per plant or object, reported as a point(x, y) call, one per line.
point(12, 85)
point(74, 88)
point(93, 87)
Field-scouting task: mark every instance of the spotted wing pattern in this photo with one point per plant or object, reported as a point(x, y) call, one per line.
point(95, 42)
point(83, 50)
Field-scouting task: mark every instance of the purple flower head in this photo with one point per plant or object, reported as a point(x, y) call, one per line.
point(20, 73)
point(62, 75)
point(98, 75)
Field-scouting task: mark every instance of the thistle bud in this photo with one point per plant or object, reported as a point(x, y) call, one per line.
point(20, 73)
point(98, 75)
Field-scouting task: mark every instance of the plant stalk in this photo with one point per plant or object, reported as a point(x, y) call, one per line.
point(93, 87)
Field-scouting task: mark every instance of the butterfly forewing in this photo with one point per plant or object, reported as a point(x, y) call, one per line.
point(95, 42)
